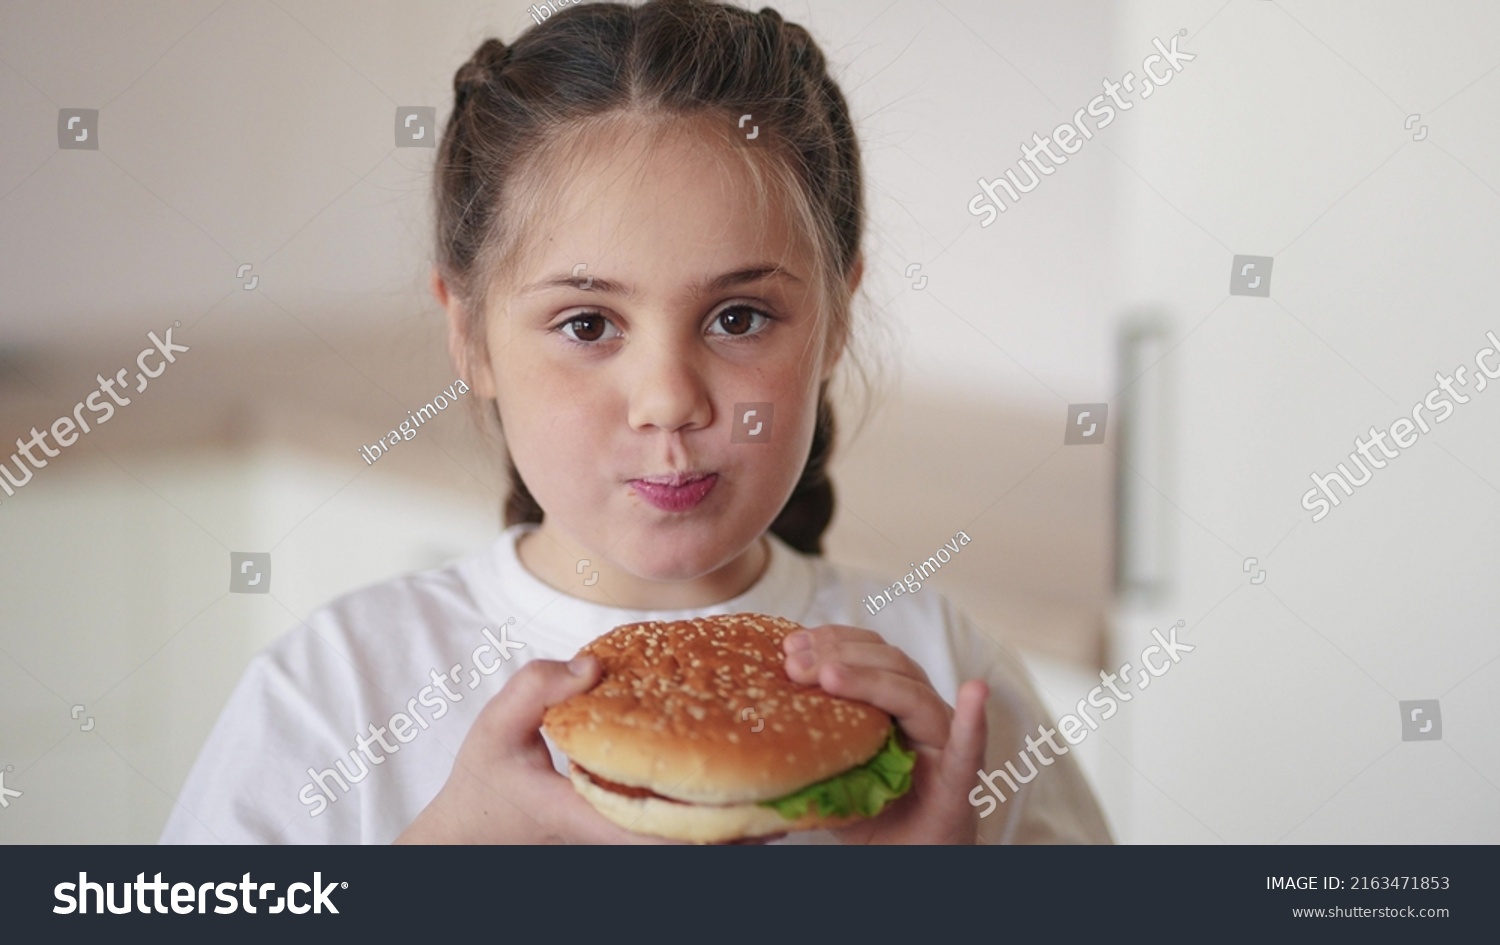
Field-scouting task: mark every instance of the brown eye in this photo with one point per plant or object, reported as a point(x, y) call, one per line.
point(738, 320)
point(585, 328)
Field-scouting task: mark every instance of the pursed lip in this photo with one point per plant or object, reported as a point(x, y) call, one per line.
point(672, 479)
point(677, 492)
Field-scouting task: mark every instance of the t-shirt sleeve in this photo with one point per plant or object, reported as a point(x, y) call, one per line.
point(250, 783)
point(1053, 806)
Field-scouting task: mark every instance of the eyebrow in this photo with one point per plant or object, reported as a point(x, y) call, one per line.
point(719, 283)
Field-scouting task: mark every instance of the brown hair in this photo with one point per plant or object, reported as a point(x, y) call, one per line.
point(667, 59)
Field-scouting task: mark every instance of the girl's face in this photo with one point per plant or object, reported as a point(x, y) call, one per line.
point(656, 310)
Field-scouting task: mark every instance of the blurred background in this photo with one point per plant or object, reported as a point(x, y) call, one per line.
point(241, 185)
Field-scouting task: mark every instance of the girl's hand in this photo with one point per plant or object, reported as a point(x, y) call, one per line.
point(859, 664)
point(503, 788)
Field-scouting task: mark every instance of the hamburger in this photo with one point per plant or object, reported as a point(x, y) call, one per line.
point(695, 732)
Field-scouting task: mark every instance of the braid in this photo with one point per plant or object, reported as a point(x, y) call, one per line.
point(804, 52)
point(481, 69)
point(809, 509)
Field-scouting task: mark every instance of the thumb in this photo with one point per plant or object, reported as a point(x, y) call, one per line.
point(512, 719)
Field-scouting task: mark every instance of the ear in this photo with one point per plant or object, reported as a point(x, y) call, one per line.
point(856, 273)
point(835, 348)
point(459, 346)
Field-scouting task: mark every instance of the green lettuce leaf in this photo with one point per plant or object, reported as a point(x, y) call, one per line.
point(863, 790)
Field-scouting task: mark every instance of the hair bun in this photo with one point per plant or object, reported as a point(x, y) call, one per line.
point(481, 68)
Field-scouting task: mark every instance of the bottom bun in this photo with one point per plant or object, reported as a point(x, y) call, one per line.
point(694, 823)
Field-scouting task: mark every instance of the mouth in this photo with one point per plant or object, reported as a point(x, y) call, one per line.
point(673, 479)
point(676, 492)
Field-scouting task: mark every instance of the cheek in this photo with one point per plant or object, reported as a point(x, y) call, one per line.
point(551, 426)
point(558, 458)
point(543, 416)
point(528, 385)
point(795, 406)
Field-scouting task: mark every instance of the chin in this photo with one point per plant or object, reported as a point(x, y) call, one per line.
point(680, 555)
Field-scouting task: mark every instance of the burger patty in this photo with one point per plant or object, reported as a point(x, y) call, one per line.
point(624, 789)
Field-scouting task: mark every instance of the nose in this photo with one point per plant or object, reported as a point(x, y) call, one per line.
point(667, 390)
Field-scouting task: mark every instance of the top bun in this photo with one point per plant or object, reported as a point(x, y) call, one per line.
point(702, 711)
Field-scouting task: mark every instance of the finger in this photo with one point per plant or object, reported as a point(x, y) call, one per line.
point(512, 718)
point(964, 753)
point(827, 634)
point(803, 665)
point(921, 712)
point(877, 655)
point(548, 800)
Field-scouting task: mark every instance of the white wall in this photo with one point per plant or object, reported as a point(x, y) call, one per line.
point(1285, 138)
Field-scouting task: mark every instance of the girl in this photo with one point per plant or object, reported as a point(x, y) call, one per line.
point(648, 237)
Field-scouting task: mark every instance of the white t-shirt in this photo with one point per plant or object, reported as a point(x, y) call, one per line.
point(404, 667)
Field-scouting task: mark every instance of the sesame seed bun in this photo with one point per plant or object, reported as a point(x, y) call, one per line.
point(701, 712)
